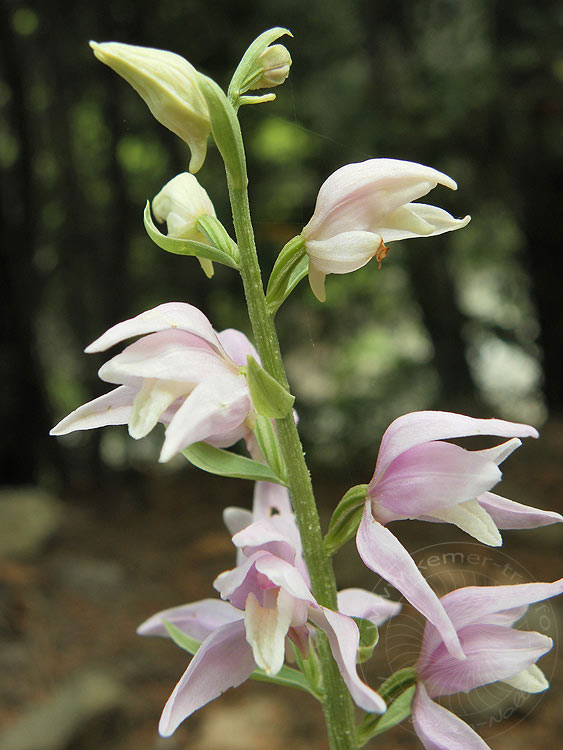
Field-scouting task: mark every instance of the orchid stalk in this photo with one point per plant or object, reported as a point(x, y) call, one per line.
point(211, 389)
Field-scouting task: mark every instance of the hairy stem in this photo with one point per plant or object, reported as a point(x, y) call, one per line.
point(337, 704)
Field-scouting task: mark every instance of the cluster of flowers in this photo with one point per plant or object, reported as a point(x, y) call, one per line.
point(185, 375)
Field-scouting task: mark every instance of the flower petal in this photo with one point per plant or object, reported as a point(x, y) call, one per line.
point(344, 638)
point(493, 652)
point(384, 554)
point(152, 400)
point(213, 409)
point(237, 346)
point(224, 660)
point(430, 476)
point(266, 629)
point(508, 514)
point(440, 729)
point(531, 680)
point(198, 619)
point(423, 426)
point(169, 315)
point(236, 519)
point(359, 196)
point(344, 252)
point(317, 282)
point(419, 220)
point(110, 409)
point(270, 500)
point(359, 603)
point(473, 519)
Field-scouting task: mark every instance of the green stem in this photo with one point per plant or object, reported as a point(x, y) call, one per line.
point(337, 704)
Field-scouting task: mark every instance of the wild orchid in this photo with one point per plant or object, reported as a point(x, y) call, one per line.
point(361, 207)
point(494, 649)
point(266, 604)
point(181, 372)
point(280, 617)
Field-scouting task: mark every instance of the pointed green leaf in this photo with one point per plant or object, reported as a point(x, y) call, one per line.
point(228, 464)
point(269, 397)
point(185, 247)
point(290, 267)
point(218, 236)
point(268, 443)
point(345, 519)
point(247, 70)
point(397, 712)
point(369, 636)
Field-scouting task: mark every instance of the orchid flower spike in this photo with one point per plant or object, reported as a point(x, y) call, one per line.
point(181, 373)
point(495, 651)
point(417, 475)
point(266, 603)
point(169, 86)
point(362, 206)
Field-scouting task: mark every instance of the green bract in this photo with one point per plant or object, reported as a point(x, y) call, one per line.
point(251, 68)
point(345, 519)
point(290, 267)
point(227, 464)
point(269, 397)
point(189, 247)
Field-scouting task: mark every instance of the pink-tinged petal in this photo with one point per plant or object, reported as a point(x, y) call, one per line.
point(470, 517)
point(266, 629)
point(151, 402)
point(499, 453)
point(214, 408)
point(433, 475)
point(344, 638)
point(110, 409)
point(493, 652)
point(359, 196)
point(419, 220)
point(198, 620)
point(236, 519)
point(344, 252)
point(472, 604)
point(270, 500)
point(423, 426)
point(439, 729)
point(168, 355)
point(508, 514)
point(224, 660)
point(237, 346)
point(385, 555)
point(285, 575)
point(170, 315)
point(276, 535)
point(359, 603)
point(236, 584)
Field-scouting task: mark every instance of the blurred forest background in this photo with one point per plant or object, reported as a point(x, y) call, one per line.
point(471, 321)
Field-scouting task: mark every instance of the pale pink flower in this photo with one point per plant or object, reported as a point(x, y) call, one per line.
point(181, 373)
point(495, 651)
point(417, 475)
point(362, 206)
point(266, 603)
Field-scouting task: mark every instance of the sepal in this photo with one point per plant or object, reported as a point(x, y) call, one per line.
point(228, 464)
point(270, 398)
point(185, 247)
point(345, 519)
point(290, 267)
point(251, 68)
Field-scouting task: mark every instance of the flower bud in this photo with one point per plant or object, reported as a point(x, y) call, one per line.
point(275, 62)
point(180, 203)
point(169, 86)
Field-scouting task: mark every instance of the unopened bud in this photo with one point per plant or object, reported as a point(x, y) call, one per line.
point(275, 62)
point(169, 86)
